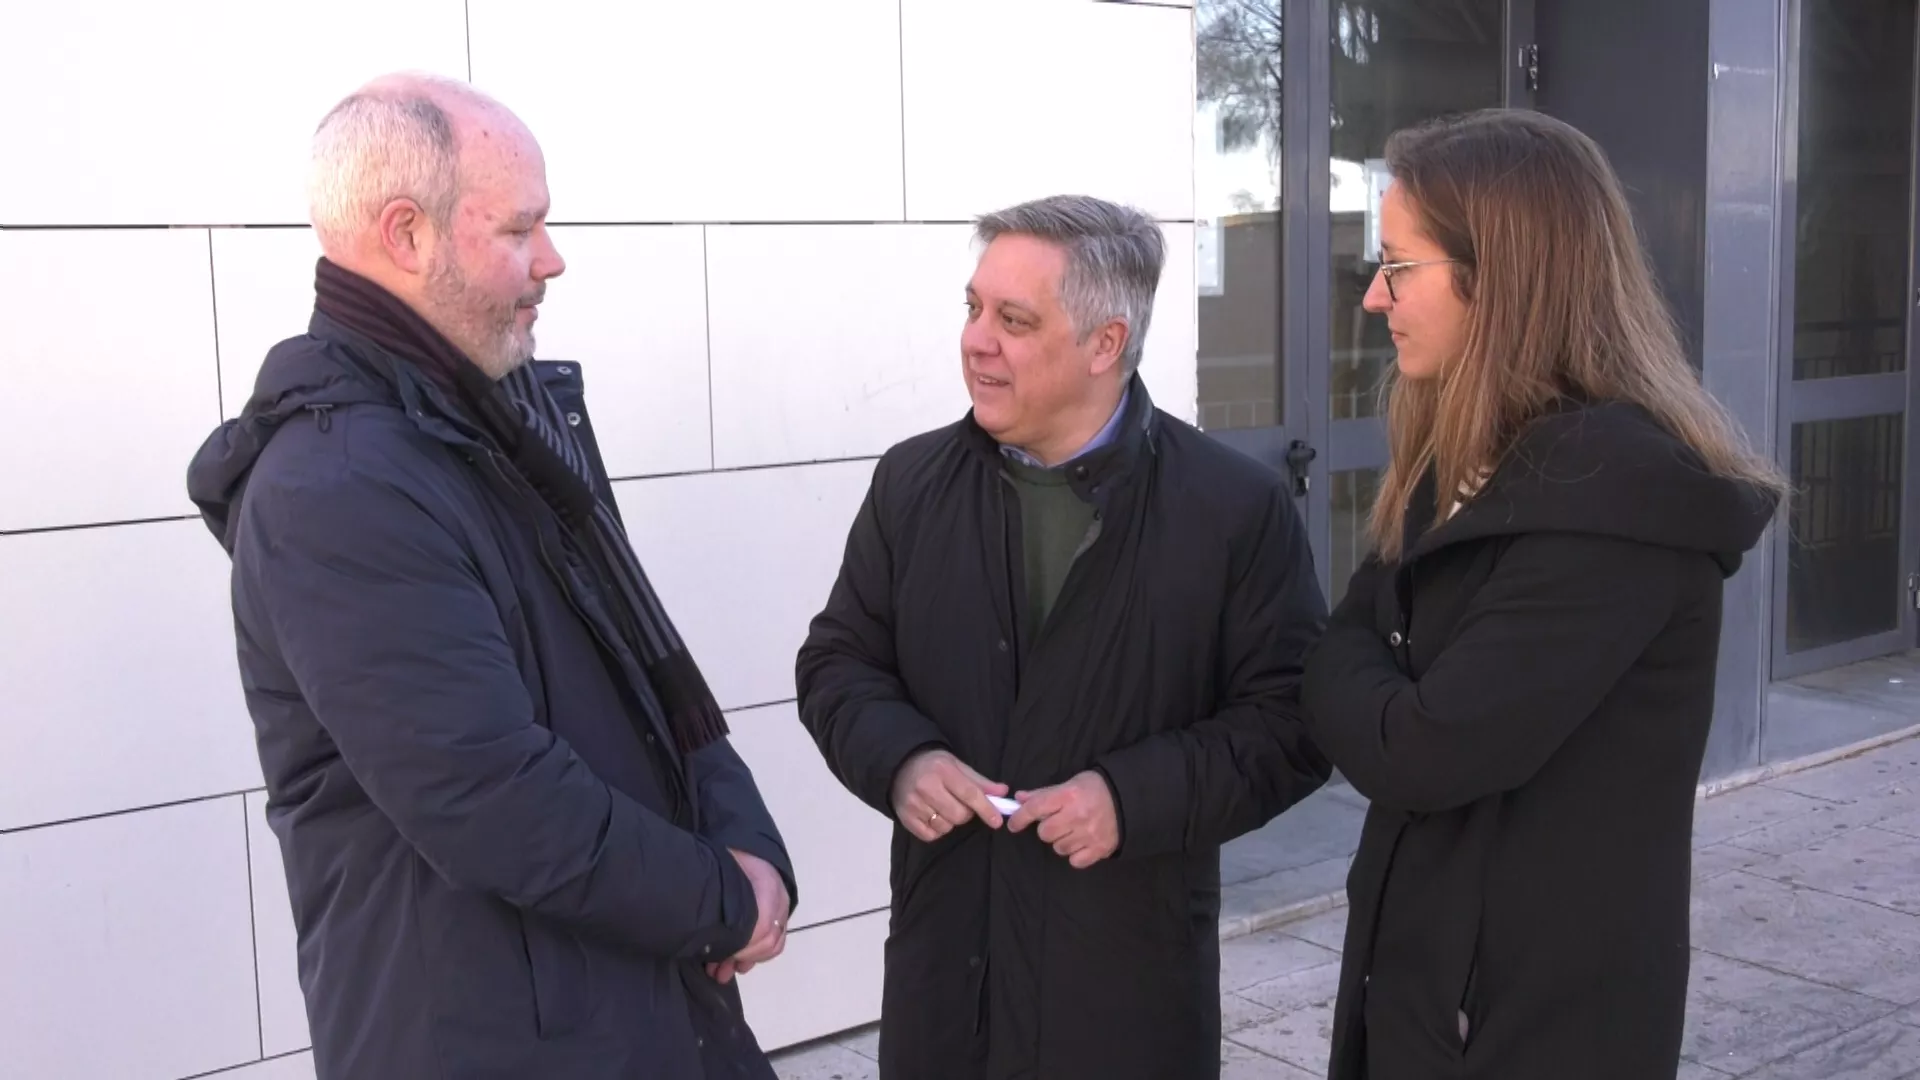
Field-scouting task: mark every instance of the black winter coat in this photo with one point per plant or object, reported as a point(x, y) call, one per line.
point(1525, 699)
point(492, 868)
point(1170, 663)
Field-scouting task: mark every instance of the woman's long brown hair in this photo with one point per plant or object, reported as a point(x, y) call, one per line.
point(1560, 302)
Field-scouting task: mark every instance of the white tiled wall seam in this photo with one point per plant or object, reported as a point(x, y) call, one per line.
point(763, 206)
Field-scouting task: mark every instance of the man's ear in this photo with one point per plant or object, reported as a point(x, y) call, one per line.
point(406, 235)
point(1108, 342)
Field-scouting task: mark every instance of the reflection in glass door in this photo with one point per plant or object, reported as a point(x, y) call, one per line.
point(1841, 583)
point(1286, 172)
point(1394, 63)
point(1238, 224)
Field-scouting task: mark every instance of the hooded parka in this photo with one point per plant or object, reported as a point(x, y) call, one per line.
point(1525, 698)
point(498, 866)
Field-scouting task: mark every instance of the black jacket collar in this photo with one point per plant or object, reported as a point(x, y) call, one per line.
point(1090, 474)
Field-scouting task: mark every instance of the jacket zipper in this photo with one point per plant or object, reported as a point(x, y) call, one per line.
point(1009, 564)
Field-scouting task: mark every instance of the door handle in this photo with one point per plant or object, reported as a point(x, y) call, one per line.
point(1299, 460)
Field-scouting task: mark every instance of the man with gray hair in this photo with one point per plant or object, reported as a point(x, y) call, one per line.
point(1063, 655)
point(516, 840)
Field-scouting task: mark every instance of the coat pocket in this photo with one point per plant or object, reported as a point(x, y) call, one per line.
point(1466, 1012)
point(562, 977)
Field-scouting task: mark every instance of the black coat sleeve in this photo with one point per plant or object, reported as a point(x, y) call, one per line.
point(851, 698)
point(1541, 644)
point(1233, 771)
point(1363, 588)
point(399, 650)
point(732, 813)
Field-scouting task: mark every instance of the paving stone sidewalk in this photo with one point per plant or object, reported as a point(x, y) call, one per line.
point(1806, 934)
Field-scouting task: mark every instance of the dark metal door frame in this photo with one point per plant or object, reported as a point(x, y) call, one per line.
point(1360, 443)
point(1306, 255)
point(1307, 236)
point(1303, 297)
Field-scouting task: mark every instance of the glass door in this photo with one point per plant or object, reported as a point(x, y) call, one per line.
point(1249, 397)
point(1288, 137)
point(1393, 63)
point(1841, 579)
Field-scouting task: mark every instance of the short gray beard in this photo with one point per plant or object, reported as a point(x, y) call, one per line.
point(486, 336)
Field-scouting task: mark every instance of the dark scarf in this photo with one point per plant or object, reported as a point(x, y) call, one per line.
point(520, 416)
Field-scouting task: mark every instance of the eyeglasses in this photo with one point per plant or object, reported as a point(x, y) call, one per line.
point(1388, 269)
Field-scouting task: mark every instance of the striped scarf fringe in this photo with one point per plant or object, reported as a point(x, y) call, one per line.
point(692, 714)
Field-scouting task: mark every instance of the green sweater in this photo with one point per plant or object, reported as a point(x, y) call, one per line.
point(1053, 525)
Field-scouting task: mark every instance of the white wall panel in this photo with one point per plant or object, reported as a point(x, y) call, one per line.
point(868, 353)
point(834, 341)
point(118, 682)
point(263, 294)
point(751, 110)
point(631, 310)
point(291, 1067)
point(1008, 100)
point(827, 981)
point(838, 843)
point(126, 947)
point(192, 112)
point(283, 1011)
point(107, 341)
point(743, 561)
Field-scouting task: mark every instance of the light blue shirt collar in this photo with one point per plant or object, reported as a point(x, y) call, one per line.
point(1104, 436)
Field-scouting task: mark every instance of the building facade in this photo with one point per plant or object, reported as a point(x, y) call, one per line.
point(764, 209)
point(1768, 150)
point(764, 206)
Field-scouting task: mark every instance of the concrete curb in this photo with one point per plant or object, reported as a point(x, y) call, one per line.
point(1297, 911)
point(1801, 764)
point(1300, 910)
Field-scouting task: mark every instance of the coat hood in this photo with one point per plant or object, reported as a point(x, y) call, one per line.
point(311, 373)
point(1607, 469)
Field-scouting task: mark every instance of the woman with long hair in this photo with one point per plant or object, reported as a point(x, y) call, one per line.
point(1521, 675)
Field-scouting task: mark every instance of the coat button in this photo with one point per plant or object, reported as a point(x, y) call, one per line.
point(973, 961)
point(1003, 644)
point(1394, 639)
point(573, 419)
point(1080, 472)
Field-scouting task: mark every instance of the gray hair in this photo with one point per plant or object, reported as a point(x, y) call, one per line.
point(1114, 257)
point(392, 139)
